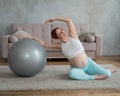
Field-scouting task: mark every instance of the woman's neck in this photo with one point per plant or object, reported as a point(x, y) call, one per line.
point(65, 40)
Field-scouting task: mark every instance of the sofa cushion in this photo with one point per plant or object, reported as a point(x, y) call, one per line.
point(82, 28)
point(19, 34)
point(87, 37)
point(53, 49)
point(13, 38)
point(89, 46)
point(41, 31)
point(90, 38)
point(10, 45)
point(25, 27)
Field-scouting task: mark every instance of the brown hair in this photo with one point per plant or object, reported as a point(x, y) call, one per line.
point(53, 33)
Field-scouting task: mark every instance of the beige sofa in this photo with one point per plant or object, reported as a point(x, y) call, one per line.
point(43, 31)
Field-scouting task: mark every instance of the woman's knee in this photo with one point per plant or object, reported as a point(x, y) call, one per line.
point(108, 73)
point(76, 74)
point(72, 73)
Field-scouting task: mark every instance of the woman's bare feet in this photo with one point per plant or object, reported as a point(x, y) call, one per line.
point(112, 69)
point(100, 77)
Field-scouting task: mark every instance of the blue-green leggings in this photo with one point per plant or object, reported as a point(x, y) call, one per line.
point(88, 72)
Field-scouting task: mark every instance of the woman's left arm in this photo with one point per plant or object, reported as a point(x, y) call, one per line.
point(72, 30)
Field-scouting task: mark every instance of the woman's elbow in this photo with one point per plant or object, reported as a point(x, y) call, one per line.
point(69, 19)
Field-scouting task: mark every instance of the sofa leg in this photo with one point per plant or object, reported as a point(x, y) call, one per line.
point(3, 60)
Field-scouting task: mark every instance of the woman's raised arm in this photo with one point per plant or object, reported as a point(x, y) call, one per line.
point(71, 27)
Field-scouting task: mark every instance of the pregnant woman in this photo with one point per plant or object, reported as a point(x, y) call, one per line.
point(82, 66)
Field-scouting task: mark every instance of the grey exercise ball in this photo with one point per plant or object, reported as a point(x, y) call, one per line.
point(26, 57)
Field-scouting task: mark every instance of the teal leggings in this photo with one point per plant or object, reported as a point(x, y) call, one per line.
point(88, 72)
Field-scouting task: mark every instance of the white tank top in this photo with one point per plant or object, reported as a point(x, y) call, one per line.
point(72, 48)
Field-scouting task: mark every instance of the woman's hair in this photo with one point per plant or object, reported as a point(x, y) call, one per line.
point(53, 33)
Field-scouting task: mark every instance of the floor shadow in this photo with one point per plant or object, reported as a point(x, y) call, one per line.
point(8, 75)
point(62, 77)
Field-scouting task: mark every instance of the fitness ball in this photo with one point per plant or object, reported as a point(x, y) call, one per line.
point(26, 57)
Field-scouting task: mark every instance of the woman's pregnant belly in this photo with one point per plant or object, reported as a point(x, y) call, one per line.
point(79, 60)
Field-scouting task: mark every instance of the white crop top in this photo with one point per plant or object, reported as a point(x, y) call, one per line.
point(71, 48)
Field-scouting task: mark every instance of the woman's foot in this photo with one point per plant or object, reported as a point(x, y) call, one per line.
point(100, 77)
point(112, 70)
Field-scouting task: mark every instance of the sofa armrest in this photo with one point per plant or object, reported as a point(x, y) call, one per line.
point(98, 45)
point(5, 44)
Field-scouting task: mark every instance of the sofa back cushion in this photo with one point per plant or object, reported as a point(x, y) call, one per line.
point(41, 31)
point(80, 28)
point(44, 30)
point(18, 35)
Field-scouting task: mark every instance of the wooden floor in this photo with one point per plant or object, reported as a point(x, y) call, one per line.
point(115, 60)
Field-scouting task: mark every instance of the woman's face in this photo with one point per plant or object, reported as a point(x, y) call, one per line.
point(61, 34)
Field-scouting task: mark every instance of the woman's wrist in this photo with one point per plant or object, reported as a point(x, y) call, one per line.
point(54, 18)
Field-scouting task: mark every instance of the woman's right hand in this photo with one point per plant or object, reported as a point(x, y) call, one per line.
point(50, 20)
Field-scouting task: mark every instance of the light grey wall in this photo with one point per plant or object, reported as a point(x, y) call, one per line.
point(102, 15)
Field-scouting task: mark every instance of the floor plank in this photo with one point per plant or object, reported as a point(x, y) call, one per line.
point(82, 92)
